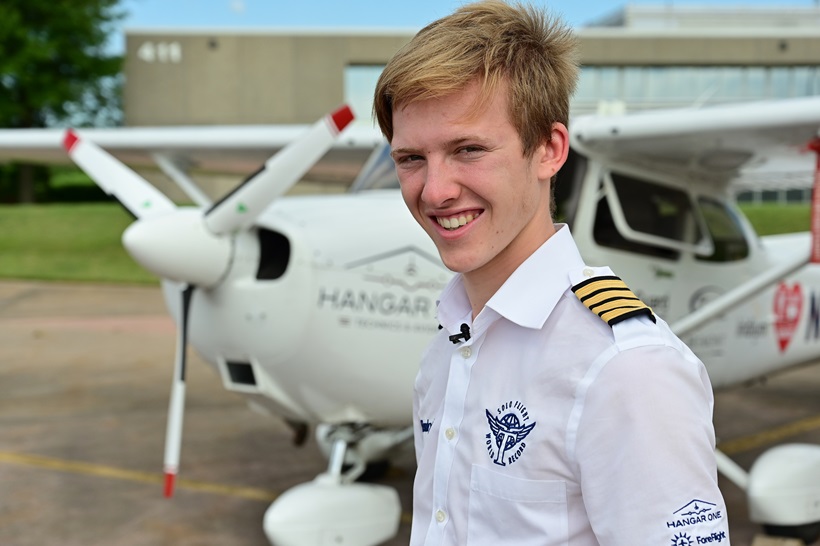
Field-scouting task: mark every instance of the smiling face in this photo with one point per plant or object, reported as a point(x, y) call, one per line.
point(466, 180)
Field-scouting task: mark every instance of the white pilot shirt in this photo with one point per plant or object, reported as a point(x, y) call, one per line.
point(549, 427)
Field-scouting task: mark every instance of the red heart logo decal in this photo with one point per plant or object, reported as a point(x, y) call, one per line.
point(788, 304)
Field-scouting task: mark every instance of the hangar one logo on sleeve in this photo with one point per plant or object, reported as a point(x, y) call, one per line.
point(688, 520)
point(693, 513)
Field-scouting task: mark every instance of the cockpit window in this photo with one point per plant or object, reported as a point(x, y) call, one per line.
point(724, 227)
point(658, 213)
point(657, 210)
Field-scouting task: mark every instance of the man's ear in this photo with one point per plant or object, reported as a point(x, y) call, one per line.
point(552, 154)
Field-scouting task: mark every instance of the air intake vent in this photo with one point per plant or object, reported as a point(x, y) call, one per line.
point(241, 373)
point(274, 254)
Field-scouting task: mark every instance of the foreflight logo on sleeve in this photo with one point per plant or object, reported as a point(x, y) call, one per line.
point(681, 540)
point(694, 512)
point(505, 441)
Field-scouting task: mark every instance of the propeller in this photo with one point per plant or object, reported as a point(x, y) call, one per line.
point(192, 247)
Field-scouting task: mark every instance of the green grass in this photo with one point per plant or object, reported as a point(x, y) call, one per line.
point(68, 176)
point(81, 242)
point(771, 219)
point(67, 242)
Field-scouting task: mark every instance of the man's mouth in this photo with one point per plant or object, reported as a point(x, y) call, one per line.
point(455, 222)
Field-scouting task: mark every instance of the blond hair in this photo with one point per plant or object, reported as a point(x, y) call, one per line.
point(535, 54)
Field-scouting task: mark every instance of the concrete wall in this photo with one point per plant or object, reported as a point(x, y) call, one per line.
point(195, 78)
point(607, 47)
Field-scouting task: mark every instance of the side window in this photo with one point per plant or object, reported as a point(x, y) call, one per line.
point(724, 227)
point(661, 219)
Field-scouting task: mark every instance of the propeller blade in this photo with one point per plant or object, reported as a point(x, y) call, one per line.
point(176, 407)
point(139, 197)
point(241, 207)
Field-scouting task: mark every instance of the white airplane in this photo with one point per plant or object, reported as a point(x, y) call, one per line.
point(317, 308)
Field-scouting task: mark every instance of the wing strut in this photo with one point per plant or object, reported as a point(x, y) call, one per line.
point(176, 173)
point(737, 295)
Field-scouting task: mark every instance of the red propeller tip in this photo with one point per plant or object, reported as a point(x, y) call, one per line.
point(342, 117)
point(70, 140)
point(169, 485)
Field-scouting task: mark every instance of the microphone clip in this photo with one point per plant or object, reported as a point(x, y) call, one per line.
point(465, 334)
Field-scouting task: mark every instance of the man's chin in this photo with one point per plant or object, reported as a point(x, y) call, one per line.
point(457, 264)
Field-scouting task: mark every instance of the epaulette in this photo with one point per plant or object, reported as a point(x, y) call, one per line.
point(610, 298)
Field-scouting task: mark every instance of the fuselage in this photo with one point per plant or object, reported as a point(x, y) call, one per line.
point(330, 300)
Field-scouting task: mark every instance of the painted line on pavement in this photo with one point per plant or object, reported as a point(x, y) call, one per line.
point(158, 478)
point(102, 471)
point(769, 437)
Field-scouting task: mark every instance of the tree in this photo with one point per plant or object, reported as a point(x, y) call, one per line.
point(55, 67)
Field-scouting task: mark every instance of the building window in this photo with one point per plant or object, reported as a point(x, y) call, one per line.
point(360, 83)
point(643, 87)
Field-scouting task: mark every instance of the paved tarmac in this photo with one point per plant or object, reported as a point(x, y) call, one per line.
point(85, 374)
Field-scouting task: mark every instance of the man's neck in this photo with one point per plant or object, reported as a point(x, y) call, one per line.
point(482, 284)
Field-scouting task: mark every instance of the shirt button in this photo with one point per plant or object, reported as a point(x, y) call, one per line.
point(588, 272)
point(466, 352)
point(450, 433)
point(440, 516)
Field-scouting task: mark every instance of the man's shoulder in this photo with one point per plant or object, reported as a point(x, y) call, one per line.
point(607, 295)
point(607, 300)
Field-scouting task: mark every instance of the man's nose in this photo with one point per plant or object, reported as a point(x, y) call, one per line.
point(440, 184)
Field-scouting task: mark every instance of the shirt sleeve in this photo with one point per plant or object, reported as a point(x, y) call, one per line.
point(645, 451)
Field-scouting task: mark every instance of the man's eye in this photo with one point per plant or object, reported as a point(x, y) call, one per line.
point(407, 159)
point(471, 150)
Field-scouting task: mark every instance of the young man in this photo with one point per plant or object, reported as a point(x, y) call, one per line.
point(537, 422)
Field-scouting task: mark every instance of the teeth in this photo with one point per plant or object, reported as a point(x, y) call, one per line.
point(455, 221)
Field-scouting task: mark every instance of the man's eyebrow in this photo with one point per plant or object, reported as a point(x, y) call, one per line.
point(401, 151)
point(448, 145)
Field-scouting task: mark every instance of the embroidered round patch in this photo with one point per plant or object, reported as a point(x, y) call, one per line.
point(508, 428)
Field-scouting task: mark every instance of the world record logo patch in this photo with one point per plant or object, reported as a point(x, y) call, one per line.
point(505, 441)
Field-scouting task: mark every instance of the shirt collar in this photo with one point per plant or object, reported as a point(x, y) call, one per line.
point(529, 295)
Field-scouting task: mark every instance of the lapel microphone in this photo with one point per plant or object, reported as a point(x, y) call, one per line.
point(465, 334)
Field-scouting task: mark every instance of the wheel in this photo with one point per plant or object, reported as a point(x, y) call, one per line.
point(808, 532)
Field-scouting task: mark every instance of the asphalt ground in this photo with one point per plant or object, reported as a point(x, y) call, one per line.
point(85, 375)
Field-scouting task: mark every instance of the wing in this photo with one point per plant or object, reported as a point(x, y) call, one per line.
point(722, 144)
point(522, 432)
point(207, 149)
point(494, 424)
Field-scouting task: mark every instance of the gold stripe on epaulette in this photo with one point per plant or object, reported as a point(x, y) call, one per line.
point(610, 298)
